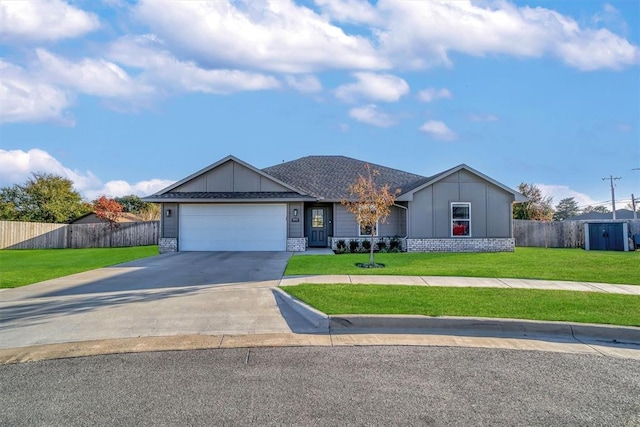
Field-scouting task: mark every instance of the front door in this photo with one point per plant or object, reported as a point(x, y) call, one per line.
point(318, 227)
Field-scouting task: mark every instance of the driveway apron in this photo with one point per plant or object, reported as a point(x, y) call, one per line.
point(169, 294)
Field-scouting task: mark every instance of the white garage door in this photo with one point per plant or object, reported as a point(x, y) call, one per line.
point(232, 227)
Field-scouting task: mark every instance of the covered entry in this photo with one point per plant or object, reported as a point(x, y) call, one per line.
point(318, 224)
point(232, 227)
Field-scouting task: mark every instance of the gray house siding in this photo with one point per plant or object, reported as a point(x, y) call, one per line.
point(295, 229)
point(430, 210)
point(345, 224)
point(230, 177)
point(169, 227)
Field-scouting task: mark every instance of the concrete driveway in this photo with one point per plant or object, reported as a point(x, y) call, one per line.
point(170, 294)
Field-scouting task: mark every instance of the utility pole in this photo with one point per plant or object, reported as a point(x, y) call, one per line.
point(613, 193)
point(633, 206)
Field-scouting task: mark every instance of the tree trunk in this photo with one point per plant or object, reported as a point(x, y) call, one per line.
point(371, 249)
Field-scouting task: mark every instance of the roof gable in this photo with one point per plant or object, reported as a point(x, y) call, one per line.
point(329, 177)
point(229, 175)
point(408, 194)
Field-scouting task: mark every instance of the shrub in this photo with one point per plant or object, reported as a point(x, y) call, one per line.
point(366, 245)
point(395, 244)
point(354, 245)
point(382, 246)
point(341, 247)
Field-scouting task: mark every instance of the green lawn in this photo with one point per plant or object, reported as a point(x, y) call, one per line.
point(533, 304)
point(24, 266)
point(525, 263)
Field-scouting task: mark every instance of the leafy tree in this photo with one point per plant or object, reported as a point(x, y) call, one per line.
point(599, 209)
point(108, 210)
point(135, 205)
point(373, 203)
point(567, 208)
point(43, 198)
point(538, 207)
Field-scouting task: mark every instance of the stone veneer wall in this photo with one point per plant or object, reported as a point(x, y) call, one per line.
point(297, 244)
point(461, 245)
point(167, 244)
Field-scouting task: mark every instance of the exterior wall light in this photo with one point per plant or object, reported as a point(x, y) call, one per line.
point(168, 213)
point(295, 212)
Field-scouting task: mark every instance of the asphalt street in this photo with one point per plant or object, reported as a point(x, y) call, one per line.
point(324, 386)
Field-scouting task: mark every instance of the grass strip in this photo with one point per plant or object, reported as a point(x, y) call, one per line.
point(19, 267)
point(524, 263)
point(532, 304)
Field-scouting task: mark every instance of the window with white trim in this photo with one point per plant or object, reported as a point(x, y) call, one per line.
point(460, 219)
point(365, 230)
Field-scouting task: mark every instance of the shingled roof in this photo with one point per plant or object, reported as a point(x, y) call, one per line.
point(329, 177)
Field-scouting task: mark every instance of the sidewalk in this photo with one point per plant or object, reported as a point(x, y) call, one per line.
point(474, 282)
point(258, 314)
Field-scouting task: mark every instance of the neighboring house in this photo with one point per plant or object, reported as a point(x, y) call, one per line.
point(92, 218)
point(590, 216)
point(231, 205)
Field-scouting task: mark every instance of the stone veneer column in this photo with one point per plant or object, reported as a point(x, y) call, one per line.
point(167, 244)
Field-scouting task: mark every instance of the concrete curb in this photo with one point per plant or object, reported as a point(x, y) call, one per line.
point(477, 326)
point(471, 326)
point(316, 318)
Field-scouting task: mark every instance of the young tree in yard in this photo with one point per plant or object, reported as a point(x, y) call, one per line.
point(108, 209)
point(373, 203)
point(538, 208)
point(43, 198)
point(567, 208)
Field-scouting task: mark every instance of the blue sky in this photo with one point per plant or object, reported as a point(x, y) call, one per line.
point(128, 97)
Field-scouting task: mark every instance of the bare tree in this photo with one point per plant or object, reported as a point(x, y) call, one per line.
point(372, 205)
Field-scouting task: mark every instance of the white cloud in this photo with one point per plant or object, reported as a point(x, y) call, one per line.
point(119, 188)
point(559, 192)
point(431, 94)
point(90, 76)
point(356, 11)
point(371, 115)
point(438, 130)
point(17, 166)
point(421, 34)
point(373, 87)
point(25, 99)
point(276, 36)
point(305, 84)
point(44, 20)
point(163, 70)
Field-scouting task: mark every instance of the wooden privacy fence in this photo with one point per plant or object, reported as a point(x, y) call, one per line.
point(556, 234)
point(37, 235)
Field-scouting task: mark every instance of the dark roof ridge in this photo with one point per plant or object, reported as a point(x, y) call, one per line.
point(328, 176)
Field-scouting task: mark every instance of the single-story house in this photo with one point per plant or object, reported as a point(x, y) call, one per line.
point(233, 206)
